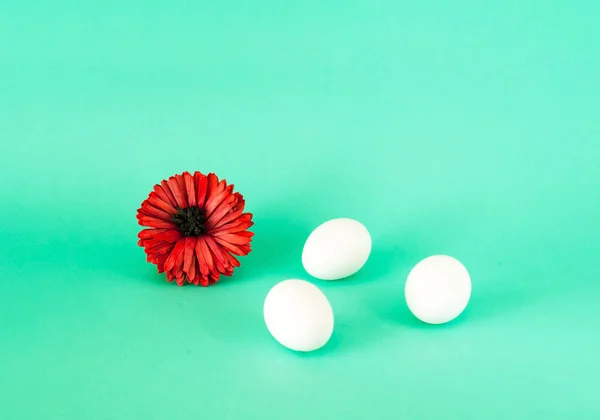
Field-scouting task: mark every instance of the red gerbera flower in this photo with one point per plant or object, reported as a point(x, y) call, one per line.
point(196, 226)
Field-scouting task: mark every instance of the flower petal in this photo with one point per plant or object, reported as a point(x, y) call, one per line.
point(217, 253)
point(240, 238)
point(201, 181)
point(159, 190)
point(177, 250)
point(224, 207)
point(171, 235)
point(174, 187)
point(160, 263)
point(150, 244)
point(213, 182)
point(229, 217)
point(218, 197)
point(150, 233)
point(167, 190)
point(180, 278)
point(159, 248)
point(241, 250)
point(181, 183)
point(189, 188)
point(192, 270)
point(204, 281)
point(199, 275)
point(153, 222)
point(150, 210)
point(178, 269)
point(238, 225)
point(203, 255)
point(190, 244)
point(213, 188)
point(232, 260)
point(213, 278)
point(156, 201)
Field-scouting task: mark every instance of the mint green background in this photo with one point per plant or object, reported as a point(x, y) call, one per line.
point(465, 128)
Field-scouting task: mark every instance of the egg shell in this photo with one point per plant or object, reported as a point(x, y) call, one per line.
point(298, 315)
point(336, 249)
point(438, 289)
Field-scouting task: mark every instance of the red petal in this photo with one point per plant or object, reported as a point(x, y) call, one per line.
point(212, 184)
point(218, 256)
point(240, 238)
point(150, 233)
point(150, 221)
point(160, 249)
point(241, 250)
point(232, 260)
point(167, 190)
point(180, 278)
point(201, 188)
point(198, 274)
point(204, 281)
point(230, 217)
point(181, 183)
point(174, 187)
point(178, 269)
point(225, 207)
point(152, 243)
point(162, 194)
point(238, 225)
point(177, 250)
point(150, 210)
point(190, 244)
point(156, 201)
point(192, 270)
point(213, 180)
point(189, 188)
point(203, 255)
point(213, 278)
point(160, 263)
point(171, 235)
point(217, 196)
point(197, 280)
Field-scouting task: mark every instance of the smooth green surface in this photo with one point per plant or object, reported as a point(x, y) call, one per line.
point(465, 128)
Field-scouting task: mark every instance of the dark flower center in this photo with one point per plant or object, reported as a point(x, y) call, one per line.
point(191, 221)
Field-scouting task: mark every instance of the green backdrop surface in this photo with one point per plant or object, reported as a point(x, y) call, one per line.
point(464, 128)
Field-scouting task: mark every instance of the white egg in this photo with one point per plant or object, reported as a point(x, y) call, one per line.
point(336, 249)
point(298, 315)
point(438, 289)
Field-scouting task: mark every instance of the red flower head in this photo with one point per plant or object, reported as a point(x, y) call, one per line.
point(196, 226)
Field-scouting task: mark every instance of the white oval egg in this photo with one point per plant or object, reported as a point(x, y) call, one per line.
point(336, 249)
point(298, 315)
point(438, 289)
